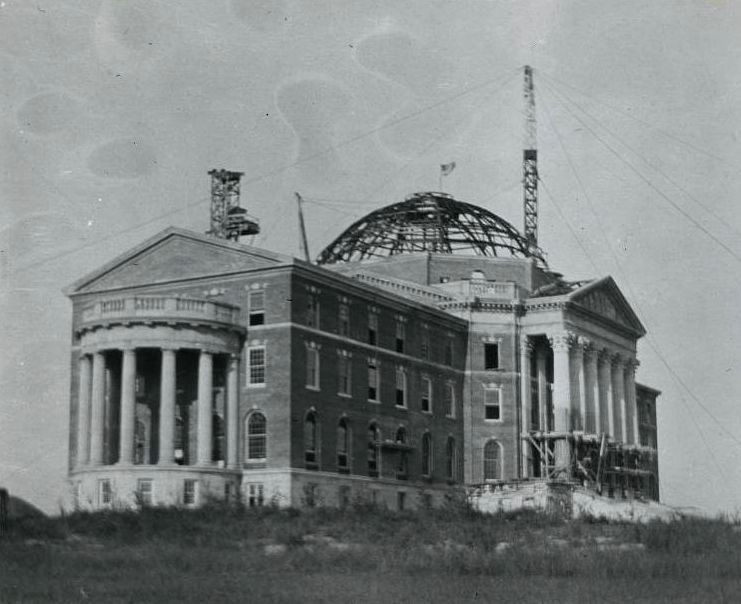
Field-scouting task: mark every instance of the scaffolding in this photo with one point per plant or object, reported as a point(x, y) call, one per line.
point(228, 219)
point(606, 466)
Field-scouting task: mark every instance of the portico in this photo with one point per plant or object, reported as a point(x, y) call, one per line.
point(158, 384)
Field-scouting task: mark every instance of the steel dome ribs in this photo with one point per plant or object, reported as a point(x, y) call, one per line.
point(428, 222)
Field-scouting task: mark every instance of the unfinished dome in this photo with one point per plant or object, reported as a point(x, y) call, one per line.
point(428, 222)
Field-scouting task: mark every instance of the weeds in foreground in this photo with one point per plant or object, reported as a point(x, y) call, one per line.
point(453, 540)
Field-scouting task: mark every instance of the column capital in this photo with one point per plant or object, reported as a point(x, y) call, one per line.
point(526, 345)
point(618, 360)
point(591, 352)
point(169, 348)
point(562, 341)
point(604, 355)
point(632, 364)
point(584, 343)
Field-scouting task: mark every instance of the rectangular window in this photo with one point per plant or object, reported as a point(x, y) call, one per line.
point(426, 401)
point(492, 405)
point(448, 357)
point(105, 495)
point(255, 495)
point(373, 329)
point(256, 303)
point(189, 492)
point(425, 346)
point(400, 335)
point(256, 365)
point(344, 371)
point(401, 497)
point(144, 491)
point(491, 356)
point(373, 380)
point(344, 320)
point(449, 401)
point(312, 311)
point(401, 387)
point(312, 368)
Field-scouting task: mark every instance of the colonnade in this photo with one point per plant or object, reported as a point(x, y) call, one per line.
point(91, 408)
point(593, 391)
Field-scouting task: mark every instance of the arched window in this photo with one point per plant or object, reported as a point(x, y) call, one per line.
point(310, 440)
point(492, 461)
point(343, 445)
point(374, 439)
point(257, 437)
point(426, 454)
point(401, 439)
point(451, 454)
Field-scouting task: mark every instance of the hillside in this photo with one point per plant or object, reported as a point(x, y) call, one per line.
point(223, 554)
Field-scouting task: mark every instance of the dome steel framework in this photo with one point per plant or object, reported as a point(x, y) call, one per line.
point(428, 222)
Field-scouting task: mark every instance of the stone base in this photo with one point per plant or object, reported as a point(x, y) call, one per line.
point(565, 500)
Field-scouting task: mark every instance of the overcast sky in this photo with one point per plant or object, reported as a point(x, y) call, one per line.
point(113, 112)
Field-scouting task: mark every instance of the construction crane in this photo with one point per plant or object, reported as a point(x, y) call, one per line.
point(530, 166)
point(228, 219)
point(302, 227)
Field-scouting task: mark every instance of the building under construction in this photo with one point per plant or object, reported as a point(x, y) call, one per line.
point(428, 346)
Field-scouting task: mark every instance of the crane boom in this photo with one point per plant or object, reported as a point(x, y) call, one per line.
point(530, 165)
point(302, 227)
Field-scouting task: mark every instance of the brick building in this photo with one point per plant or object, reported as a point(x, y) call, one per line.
point(203, 368)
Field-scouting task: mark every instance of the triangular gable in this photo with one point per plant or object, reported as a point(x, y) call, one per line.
point(174, 255)
point(604, 299)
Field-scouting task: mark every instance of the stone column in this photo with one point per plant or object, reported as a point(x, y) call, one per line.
point(618, 370)
point(610, 386)
point(592, 390)
point(205, 408)
point(580, 378)
point(561, 344)
point(526, 348)
point(83, 412)
point(630, 392)
point(232, 412)
point(605, 392)
point(540, 368)
point(167, 407)
point(128, 406)
point(97, 409)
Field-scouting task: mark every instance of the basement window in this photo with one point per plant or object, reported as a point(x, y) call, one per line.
point(105, 495)
point(189, 492)
point(144, 491)
point(255, 495)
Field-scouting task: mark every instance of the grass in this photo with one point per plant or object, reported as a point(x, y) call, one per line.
point(224, 554)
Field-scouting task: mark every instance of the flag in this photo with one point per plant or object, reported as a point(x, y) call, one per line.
point(446, 169)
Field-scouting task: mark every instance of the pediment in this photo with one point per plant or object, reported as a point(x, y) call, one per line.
point(175, 255)
point(604, 299)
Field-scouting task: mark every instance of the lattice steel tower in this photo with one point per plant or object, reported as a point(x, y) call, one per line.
point(530, 165)
point(228, 219)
